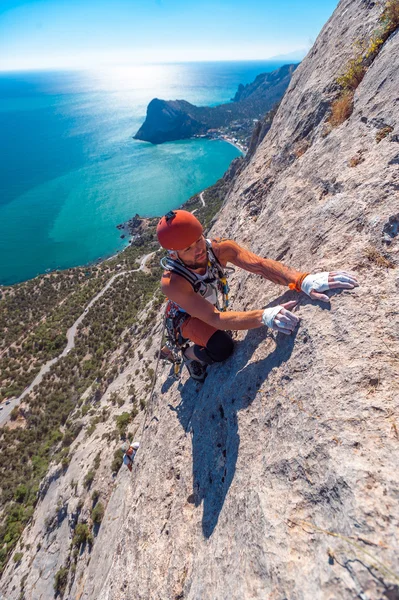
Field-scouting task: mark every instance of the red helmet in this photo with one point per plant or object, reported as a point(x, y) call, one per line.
point(178, 229)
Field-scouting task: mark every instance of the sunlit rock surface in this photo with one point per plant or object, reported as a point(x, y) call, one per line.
point(278, 478)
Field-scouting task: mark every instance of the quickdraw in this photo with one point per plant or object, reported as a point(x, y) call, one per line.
point(225, 293)
point(175, 343)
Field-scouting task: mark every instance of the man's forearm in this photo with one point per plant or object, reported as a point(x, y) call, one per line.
point(270, 269)
point(277, 272)
point(237, 320)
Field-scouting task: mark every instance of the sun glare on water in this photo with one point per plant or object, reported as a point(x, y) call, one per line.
point(126, 77)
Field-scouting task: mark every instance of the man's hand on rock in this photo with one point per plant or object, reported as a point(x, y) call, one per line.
point(280, 318)
point(315, 283)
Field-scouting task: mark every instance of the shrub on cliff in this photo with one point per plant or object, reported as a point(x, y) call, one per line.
point(341, 109)
point(88, 480)
point(353, 75)
point(82, 535)
point(17, 557)
point(21, 493)
point(356, 68)
point(390, 16)
point(122, 421)
point(60, 581)
point(97, 513)
point(117, 462)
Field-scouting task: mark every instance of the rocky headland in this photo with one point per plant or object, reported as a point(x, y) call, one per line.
point(169, 120)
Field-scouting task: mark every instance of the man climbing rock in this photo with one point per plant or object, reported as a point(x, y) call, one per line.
point(129, 453)
point(195, 278)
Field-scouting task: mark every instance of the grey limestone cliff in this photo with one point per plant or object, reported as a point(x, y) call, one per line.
point(278, 478)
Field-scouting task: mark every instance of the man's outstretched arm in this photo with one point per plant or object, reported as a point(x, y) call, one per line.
point(229, 251)
point(311, 284)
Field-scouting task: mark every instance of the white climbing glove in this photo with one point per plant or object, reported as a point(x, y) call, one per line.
point(279, 318)
point(315, 283)
point(269, 314)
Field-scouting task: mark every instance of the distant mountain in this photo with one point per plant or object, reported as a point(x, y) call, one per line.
point(169, 120)
point(267, 87)
point(296, 56)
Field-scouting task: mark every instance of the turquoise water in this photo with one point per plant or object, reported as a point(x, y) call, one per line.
point(70, 170)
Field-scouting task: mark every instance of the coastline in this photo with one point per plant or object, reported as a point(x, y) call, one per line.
point(237, 145)
point(114, 255)
point(204, 162)
point(17, 269)
point(131, 229)
point(224, 138)
point(124, 227)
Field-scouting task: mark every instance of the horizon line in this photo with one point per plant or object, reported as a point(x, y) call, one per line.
point(172, 62)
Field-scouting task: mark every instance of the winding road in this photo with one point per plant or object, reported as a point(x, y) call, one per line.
point(12, 402)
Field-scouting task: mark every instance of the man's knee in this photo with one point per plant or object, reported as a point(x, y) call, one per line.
point(220, 346)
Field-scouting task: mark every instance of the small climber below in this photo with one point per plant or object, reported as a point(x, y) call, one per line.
point(129, 451)
point(195, 278)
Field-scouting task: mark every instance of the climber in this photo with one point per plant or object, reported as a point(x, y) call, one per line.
point(129, 451)
point(195, 277)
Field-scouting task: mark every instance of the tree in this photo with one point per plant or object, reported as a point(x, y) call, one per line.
point(14, 414)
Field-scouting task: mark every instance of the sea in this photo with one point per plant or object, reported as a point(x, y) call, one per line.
point(70, 170)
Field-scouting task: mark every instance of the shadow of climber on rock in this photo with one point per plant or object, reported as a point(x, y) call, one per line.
point(211, 417)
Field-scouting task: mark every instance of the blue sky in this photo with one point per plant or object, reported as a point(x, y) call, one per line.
point(86, 33)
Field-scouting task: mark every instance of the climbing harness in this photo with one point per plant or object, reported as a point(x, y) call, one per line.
point(215, 274)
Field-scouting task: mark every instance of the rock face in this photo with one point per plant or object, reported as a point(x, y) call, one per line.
point(169, 120)
point(278, 478)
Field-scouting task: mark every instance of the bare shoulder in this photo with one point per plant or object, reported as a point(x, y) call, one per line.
point(165, 281)
point(172, 283)
point(225, 250)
